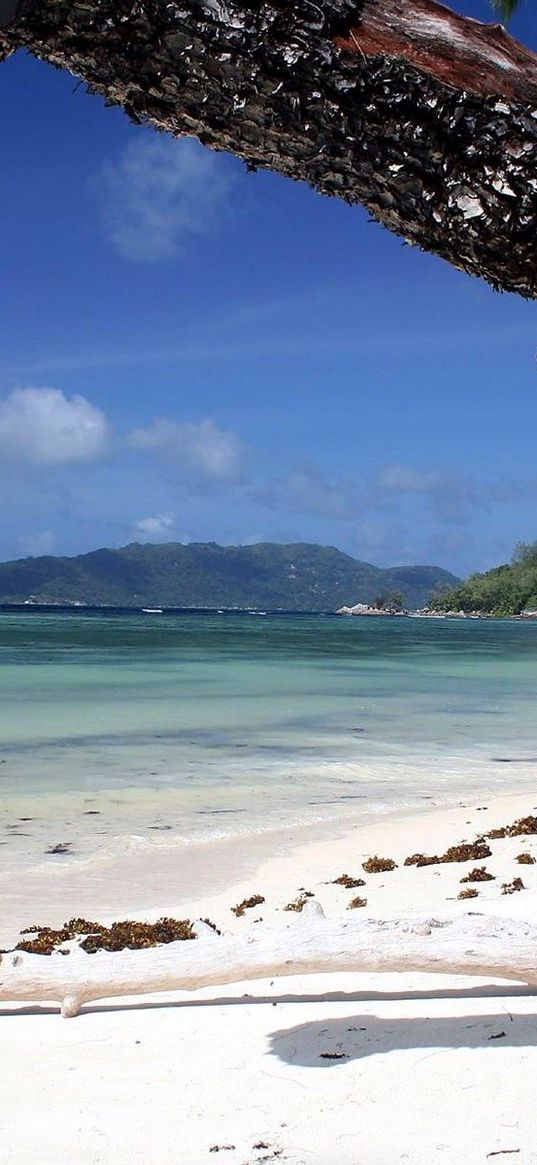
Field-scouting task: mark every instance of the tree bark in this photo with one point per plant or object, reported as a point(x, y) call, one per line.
point(427, 118)
point(469, 945)
point(464, 53)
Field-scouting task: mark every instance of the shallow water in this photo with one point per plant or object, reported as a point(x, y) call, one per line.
point(134, 729)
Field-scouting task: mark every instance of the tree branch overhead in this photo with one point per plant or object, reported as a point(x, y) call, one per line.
point(426, 118)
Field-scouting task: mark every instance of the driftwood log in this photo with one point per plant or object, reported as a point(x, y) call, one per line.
point(468, 945)
point(427, 118)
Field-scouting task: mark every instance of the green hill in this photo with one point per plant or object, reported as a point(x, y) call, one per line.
point(506, 590)
point(301, 577)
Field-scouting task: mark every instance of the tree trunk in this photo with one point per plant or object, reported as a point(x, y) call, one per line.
point(427, 118)
point(469, 945)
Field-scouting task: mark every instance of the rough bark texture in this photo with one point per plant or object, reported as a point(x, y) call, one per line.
point(467, 54)
point(468, 945)
point(371, 103)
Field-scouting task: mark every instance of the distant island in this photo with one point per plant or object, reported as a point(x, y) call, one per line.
point(510, 589)
point(267, 576)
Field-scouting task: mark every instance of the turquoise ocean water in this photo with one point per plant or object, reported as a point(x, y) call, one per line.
point(181, 726)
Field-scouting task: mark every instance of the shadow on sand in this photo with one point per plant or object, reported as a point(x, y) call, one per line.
point(328, 1043)
point(400, 1033)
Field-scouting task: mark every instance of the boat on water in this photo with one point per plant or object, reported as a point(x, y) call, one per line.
point(152, 610)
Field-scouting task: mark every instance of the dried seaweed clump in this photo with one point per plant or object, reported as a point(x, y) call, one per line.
point(356, 903)
point(378, 865)
point(247, 904)
point(478, 874)
point(348, 882)
point(468, 893)
point(465, 852)
point(298, 903)
point(523, 826)
point(422, 860)
point(525, 859)
point(120, 935)
point(212, 925)
point(512, 887)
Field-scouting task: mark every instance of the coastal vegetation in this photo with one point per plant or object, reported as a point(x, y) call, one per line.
point(509, 589)
point(296, 577)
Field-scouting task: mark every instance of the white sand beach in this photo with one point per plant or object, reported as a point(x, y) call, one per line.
point(268, 874)
point(351, 1068)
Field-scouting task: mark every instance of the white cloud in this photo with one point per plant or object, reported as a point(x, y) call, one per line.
point(43, 426)
point(33, 545)
point(200, 448)
point(403, 479)
point(306, 490)
point(452, 496)
point(159, 192)
point(158, 526)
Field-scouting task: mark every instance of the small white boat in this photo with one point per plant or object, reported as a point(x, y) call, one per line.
point(152, 610)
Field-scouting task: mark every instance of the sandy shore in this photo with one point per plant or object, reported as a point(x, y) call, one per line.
point(431, 1067)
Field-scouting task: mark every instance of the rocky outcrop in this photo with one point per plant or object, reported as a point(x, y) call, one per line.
point(365, 609)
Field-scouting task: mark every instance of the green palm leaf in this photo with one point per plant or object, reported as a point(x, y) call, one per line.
point(505, 8)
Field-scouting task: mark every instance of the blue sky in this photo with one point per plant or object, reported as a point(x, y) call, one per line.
point(192, 352)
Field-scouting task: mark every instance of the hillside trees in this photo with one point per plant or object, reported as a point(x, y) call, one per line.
point(507, 590)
